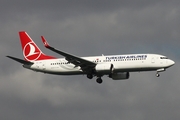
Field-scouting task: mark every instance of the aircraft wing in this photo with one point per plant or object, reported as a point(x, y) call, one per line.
point(20, 60)
point(85, 65)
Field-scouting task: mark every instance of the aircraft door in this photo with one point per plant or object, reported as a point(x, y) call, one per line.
point(152, 59)
point(43, 65)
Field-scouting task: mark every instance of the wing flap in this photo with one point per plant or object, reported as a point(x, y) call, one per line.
point(77, 61)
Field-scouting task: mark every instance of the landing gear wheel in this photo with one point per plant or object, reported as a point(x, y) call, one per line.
point(90, 76)
point(99, 80)
point(157, 75)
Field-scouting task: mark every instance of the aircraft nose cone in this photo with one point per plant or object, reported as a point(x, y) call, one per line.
point(172, 62)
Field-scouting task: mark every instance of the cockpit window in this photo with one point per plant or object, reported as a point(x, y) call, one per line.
point(163, 58)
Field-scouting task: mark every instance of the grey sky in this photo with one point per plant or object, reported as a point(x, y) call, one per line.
point(86, 28)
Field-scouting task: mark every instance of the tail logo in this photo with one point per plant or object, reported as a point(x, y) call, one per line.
point(31, 52)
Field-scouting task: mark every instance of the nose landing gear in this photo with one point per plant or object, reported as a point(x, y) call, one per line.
point(157, 74)
point(160, 70)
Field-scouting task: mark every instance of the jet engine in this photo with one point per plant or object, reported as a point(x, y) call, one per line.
point(104, 68)
point(120, 76)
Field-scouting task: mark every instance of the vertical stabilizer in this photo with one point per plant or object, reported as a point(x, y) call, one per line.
point(31, 51)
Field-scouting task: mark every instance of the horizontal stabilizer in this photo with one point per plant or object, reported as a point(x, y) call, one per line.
point(20, 60)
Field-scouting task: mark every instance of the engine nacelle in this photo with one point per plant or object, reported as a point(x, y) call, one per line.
point(120, 76)
point(104, 68)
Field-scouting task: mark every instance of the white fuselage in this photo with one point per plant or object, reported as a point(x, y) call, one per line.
point(117, 67)
point(121, 63)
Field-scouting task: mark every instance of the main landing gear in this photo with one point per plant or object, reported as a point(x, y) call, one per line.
point(90, 76)
point(98, 80)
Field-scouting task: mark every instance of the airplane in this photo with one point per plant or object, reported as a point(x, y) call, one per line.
point(116, 67)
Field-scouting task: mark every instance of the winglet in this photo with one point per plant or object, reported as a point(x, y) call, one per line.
point(46, 44)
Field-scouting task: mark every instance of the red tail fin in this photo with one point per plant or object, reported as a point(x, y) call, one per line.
point(30, 50)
